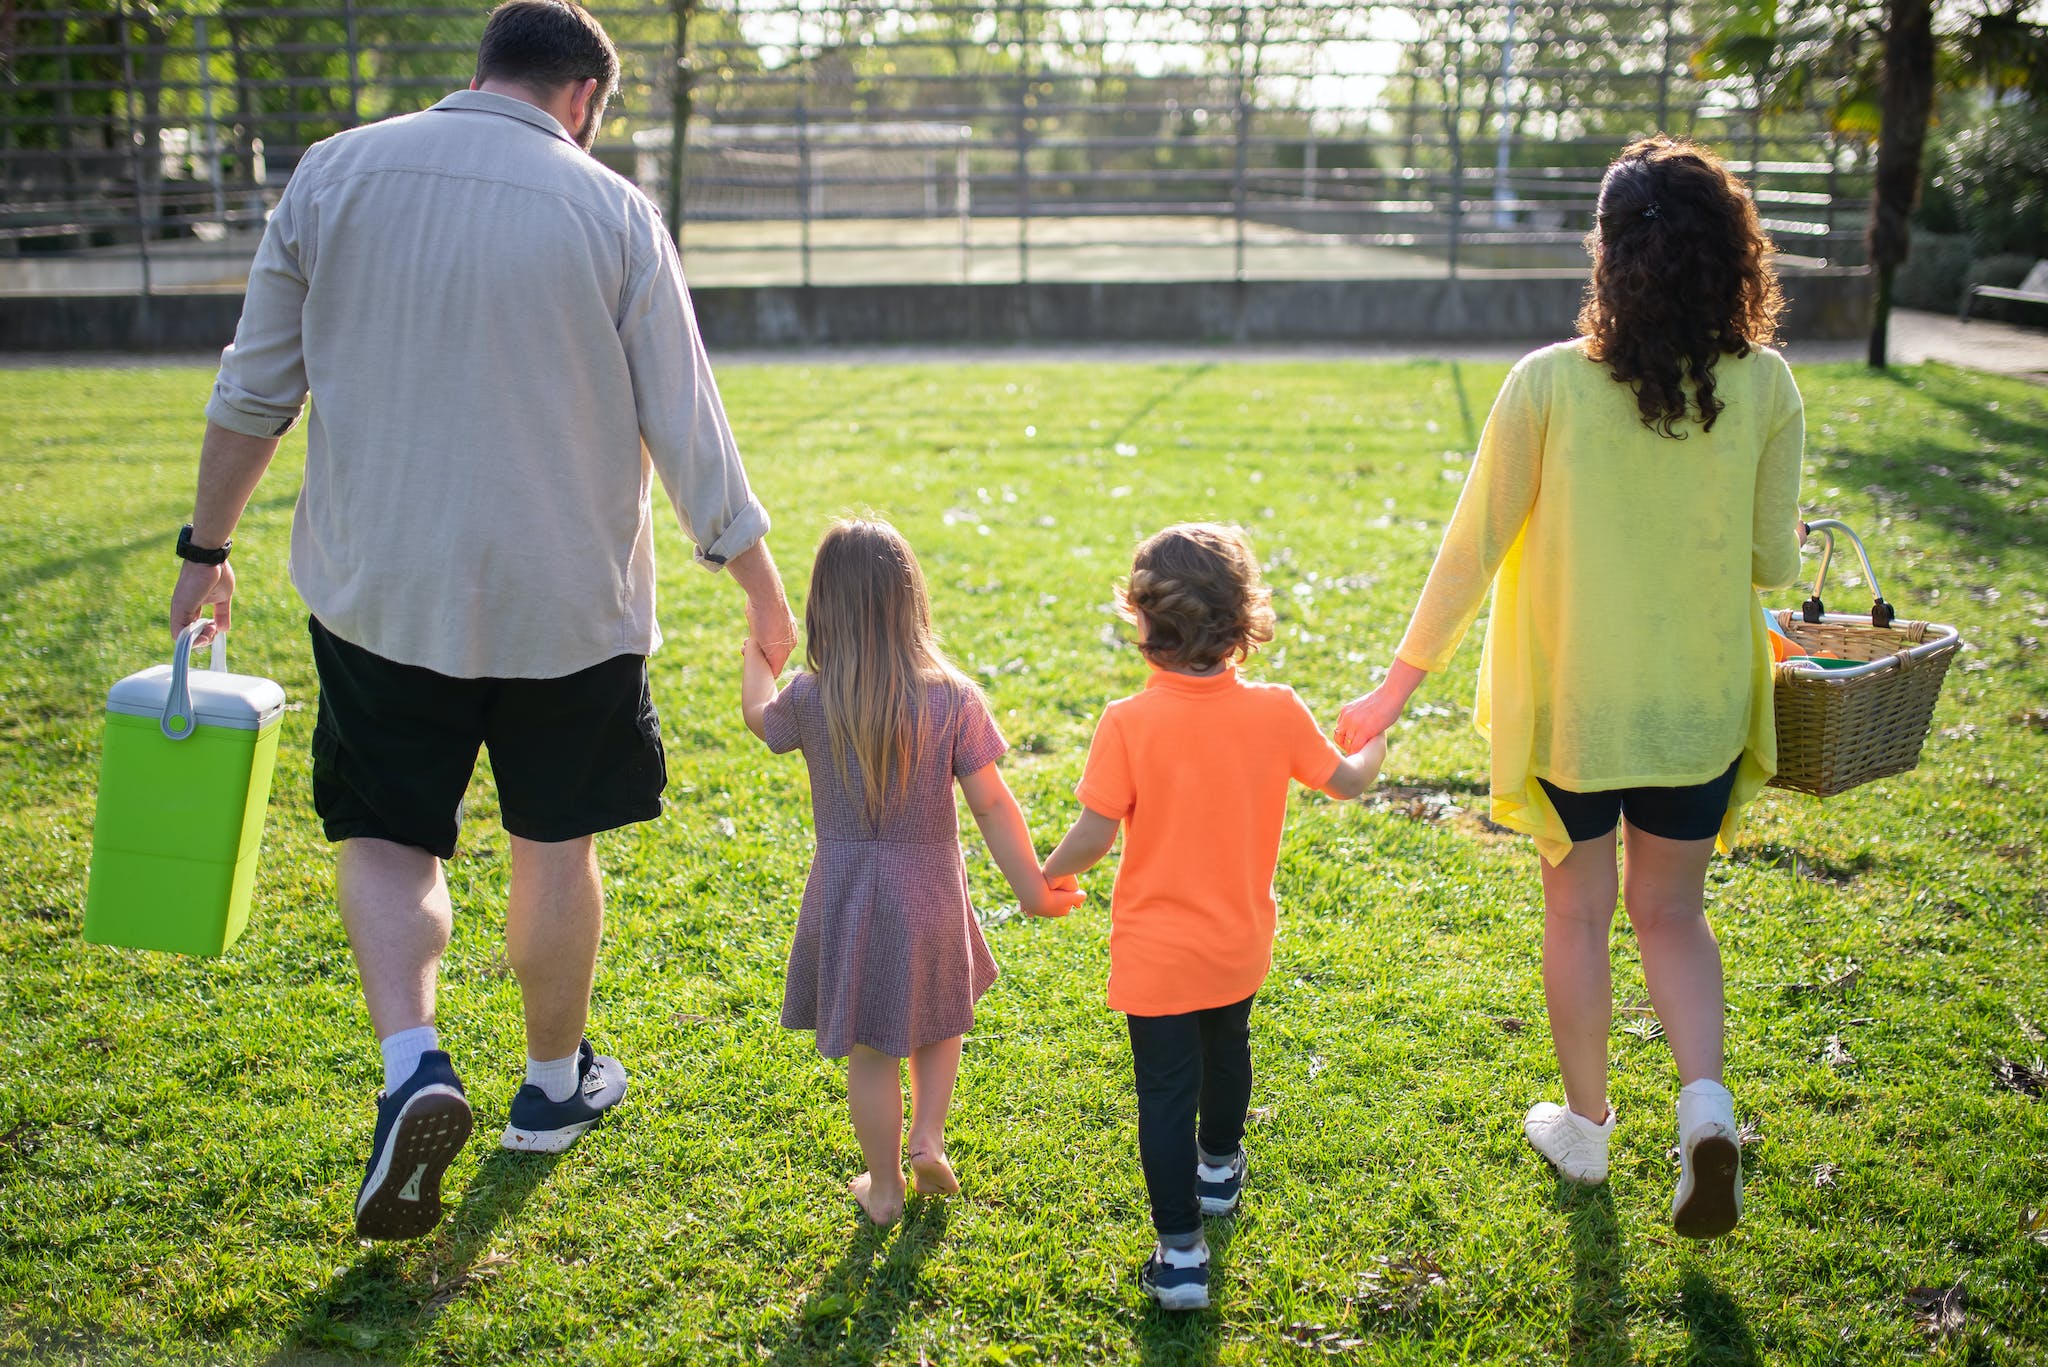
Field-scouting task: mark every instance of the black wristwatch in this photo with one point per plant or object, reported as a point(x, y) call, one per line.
point(201, 555)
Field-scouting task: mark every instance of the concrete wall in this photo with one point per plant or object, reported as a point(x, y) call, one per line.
point(1533, 305)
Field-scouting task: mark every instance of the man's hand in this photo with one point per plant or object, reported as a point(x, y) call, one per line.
point(199, 585)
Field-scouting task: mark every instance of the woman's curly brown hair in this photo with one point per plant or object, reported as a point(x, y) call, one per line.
point(1198, 585)
point(1682, 275)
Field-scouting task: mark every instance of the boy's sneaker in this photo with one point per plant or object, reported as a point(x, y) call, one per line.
point(1220, 1186)
point(1708, 1202)
point(538, 1125)
point(420, 1129)
point(1575, 1146)
point(1178, 1278)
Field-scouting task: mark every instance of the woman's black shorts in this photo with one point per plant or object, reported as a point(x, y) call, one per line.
point(1693, 812)
point(395, 746)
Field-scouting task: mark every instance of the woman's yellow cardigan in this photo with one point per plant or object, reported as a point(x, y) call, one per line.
point(1625, 647)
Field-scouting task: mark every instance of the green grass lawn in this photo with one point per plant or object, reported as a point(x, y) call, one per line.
point(181, 1139)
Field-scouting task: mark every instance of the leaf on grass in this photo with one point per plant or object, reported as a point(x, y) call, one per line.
point(1939, 1309)
point(1417, 804)
point(2018, 1077)
point(24, 1139)
point(1511, 1025)
point(482, 1270)
point(47, 912)
point(2034, 1224)
point(1397, 1285)
point(689, 1018)
point(727, 827)
point(1851, 974)
point(2035, 717)
point(1258, 1115)
point(832, 1306)
point(2028, 1028)
point(1749, 1132)
point(2015, 854)
point(1320, 1338)
point(1824, 1174)
point(1316, 1065)
point(1648, 1031)
point(1834, 1054)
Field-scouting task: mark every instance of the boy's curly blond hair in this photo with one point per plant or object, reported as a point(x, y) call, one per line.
point(1198, 585)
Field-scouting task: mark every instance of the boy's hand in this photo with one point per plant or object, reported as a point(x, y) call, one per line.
point(1058, 897)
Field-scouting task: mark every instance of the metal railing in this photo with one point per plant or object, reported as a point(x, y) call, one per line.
point(822, 142)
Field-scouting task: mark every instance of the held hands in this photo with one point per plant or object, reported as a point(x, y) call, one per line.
point(1369, 718)
point(771, 628)
point(1053, 896)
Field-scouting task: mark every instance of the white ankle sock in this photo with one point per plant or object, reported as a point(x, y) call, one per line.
point(556, 1078)
point(402, 1053)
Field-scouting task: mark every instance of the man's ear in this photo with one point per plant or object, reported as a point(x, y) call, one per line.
point(476, 85)
point(580, 98)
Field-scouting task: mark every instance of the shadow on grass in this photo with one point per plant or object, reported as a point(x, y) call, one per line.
point(1172, 390)
point(1715, 1323)
point(852, 1315)
point(1175, 1338)
point(1599, 1325)
point(96, 564)
point(389, 1300)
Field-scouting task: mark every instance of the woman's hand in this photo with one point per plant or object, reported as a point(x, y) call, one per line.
point(1376, 712)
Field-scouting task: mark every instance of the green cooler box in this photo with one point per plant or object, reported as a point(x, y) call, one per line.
point(184, 776)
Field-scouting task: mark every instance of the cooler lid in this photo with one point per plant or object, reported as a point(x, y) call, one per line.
point(241, 701)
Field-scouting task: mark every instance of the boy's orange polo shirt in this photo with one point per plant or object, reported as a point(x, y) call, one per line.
point(1197, 771)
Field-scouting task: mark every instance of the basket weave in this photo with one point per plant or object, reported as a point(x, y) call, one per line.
point(1835, 733)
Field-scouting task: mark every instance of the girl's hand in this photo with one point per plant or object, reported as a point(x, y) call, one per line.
point(1053, 897)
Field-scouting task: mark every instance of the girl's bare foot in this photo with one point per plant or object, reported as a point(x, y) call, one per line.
point(881, 1207)
point(932, 1175)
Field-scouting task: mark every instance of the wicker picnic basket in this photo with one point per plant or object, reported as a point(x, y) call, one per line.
point(1838, 728)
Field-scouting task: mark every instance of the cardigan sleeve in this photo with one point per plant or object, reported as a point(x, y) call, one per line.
point(1774, 540)
point(1491, 513)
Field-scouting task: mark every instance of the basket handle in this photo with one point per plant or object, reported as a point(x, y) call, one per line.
point(1812, 609)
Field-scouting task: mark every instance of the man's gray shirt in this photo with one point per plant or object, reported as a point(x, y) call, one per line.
point(499, 348)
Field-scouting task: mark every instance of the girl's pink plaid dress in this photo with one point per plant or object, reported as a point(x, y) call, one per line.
point(887, 951)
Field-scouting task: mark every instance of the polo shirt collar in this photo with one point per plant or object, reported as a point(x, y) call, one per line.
point(1169, 682)
point(489, 102)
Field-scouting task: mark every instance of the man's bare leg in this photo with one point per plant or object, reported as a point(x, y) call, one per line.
point(394, 905)
point(553, 921)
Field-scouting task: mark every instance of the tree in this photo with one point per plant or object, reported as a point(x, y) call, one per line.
point(1878, 68)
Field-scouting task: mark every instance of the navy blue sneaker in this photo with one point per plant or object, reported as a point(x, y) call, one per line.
point(1220, 1195)
point(1177, 1278)
point(420, 1129)
point(539, 1125)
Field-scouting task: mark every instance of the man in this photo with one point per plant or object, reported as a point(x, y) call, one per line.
point(490, 325)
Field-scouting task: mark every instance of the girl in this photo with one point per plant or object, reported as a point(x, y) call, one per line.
point(888, 960)
point(1632, 488)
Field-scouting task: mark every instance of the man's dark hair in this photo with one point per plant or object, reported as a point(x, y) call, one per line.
point(547, 44)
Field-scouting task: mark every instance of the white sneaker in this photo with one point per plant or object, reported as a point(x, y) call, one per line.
point(1575, 1146)
point(1708, 1202)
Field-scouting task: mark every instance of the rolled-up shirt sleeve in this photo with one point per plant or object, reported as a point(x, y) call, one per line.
point(261, 388)
point(681, 418)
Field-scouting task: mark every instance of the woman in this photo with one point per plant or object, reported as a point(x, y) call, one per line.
point(1631, 490)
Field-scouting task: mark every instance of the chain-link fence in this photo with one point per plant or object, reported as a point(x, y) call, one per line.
point(828, 143)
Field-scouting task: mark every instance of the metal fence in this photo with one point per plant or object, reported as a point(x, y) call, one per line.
point(825, 143)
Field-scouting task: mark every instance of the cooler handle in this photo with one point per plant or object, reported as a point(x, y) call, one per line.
point(178, 702)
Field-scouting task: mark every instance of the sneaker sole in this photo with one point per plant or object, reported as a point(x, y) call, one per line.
point(544, 1141)
point(1710, 1209)
point(1180, 1297)
point(1217, 1205)
point(402, 1198)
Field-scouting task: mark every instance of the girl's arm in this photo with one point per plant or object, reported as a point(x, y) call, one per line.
point(1356, 772)
point(757, 688)
point(1091, 838)
point(1009, 840)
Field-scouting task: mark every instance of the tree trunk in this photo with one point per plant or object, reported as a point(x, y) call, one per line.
point(1908, 101)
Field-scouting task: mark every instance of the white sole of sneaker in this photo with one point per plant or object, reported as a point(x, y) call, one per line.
point(1216, 1205)
point(1711, 1204)
point(543, 1141)
point(402, 1197)
point(1180, 1297)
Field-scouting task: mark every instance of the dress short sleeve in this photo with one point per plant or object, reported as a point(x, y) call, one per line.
point(976, 741)
point(1310, 756)
point(779, 722)
point(1106, 786)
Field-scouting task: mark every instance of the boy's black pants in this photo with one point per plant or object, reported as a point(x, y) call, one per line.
point(1194, 1067)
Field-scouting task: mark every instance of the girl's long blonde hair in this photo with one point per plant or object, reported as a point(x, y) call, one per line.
point(868, 624)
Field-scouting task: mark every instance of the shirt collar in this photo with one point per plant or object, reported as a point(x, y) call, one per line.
point(489, 102)
point(1169, 682)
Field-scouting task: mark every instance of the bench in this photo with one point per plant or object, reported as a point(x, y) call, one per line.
point(2032, 290)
